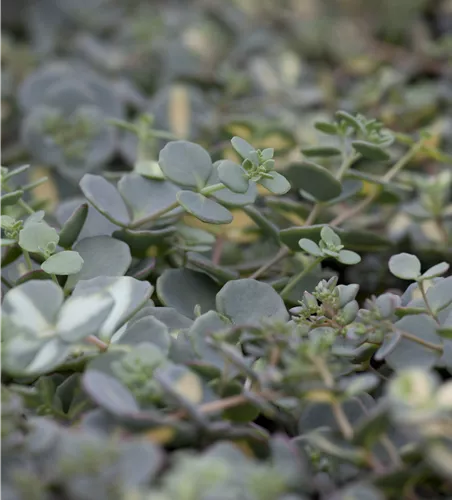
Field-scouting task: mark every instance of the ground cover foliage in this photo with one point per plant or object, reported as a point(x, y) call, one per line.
point(226, 238)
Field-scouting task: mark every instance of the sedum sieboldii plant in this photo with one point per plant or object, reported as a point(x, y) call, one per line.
point(275, 379)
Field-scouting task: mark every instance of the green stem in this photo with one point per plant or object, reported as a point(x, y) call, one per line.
point(353, 210)
point(386, 178)
point(403, 161)
point(427, 305)
point(342, 420)
point(313, 215)
point(27, 260)
point(205, 191)
point(283, 252)
point(346, 164)
point(212, 189)
point(425, 343)
point(154, 216)
point(288, 288)
point(338, 412)
point(55, 279)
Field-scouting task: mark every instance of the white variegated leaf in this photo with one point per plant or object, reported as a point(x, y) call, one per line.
point(33, 306)
point(128, 294)
point(83, 315)
point(48, 357)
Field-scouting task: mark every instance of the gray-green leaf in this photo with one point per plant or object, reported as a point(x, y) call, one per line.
point(102, 256)
point(243, 148)
point(405, 266)
point(183, 289)
point(105, 198)
point(436, 271)
point(63, 263)
point(310, 247)
point(348, 257)
point(233, 176)
point(370, 151)
point(278, 184)
point(248, 301)
point(204, 209)
point(185, 163)
point(315, 180)
point(35, 236)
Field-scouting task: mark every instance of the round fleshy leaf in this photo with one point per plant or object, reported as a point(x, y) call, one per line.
point(81, 316)
point(170, 317)
point(63, 263)
point(233, 176)
point(109, 393)
point(329, 236)
point(185, 163)
point(102, 256)
point(315, 180)
point(147, 329)
point(243, 148)
point(21, 357)
point(248, 301)
point(227, 197)
point(405, 266)
point(204, 209)
point(310, 247)
point(105, 198)
point(436, 271)
point(199, 262)
point(184, 289)
point(370, 151)
point(145, 197)
point(129, 295)
point(278, 184)
point(348, 257)
point(35, 236)
point(33, 306)
point(439, 295)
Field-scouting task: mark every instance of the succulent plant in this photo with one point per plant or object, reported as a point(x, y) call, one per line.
point(212, 285)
